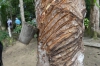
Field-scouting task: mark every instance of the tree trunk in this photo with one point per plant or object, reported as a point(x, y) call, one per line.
point(94, 18)
point(60, 24)
point(22, 11)
point(27, 31)
point(99, 15)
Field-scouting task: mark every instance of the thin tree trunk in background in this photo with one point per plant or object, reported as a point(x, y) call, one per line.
point(94, 17)
point(60, 24)
point(22, 11)
point(21, 37)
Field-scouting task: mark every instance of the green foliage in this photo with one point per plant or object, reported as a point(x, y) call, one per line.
point(17, 29)
point(9, 41)
point(19, 16)
point(11, 9)
point(86, 22)
point(3, 35)
point(29, 22)
point(88, 31)
point(15, 7)
point(29, 9)
point(95, 1)
point(32, 23)
point(88, 7)
point(35, 36)
point(3, 14)
point(27, 16)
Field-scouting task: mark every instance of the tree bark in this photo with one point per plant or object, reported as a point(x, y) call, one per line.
point(60, 24)
point(94, 18)
point(27, 31)
point(22, 11)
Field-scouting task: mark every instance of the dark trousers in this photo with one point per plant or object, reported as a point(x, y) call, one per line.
point(1, 49)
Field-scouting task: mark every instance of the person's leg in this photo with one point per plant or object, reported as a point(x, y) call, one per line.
point(9, 31)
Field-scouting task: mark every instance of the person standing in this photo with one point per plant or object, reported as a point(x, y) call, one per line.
point(17, 21)
point(9, 22)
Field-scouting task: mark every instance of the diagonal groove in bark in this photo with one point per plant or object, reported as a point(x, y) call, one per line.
point(78, 49)
point(56, 30)
point(53, 26)
point(65, 33)
point(78, 40)
point(67, 57)
point(51, 9)
point(66, 12)
point(59, 27)
point(62, 53)
point(62, 32)
point(56, 42)
point(42, 31)
point(68, 61)
point(62, 48)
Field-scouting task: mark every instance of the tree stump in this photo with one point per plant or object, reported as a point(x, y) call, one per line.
point(27, 33)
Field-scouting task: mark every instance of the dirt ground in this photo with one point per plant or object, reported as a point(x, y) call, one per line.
point(92, 54)
point(26, 55)
point(20, 54)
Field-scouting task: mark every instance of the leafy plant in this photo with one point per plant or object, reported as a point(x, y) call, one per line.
point(86, 22)
point(3, 35)
point(17, 29)
point(88, 7)
point(9, 40)
point(3, 14)
point(32, 22)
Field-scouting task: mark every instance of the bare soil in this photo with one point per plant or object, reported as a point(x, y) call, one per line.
point(20, 54)
point(92, 54)
point(26, 55)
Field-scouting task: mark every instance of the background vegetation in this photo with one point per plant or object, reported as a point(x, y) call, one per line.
point(11, 9)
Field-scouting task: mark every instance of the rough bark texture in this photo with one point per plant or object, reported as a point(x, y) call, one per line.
point(27, 33)
point(60, 24)
point(94, 18)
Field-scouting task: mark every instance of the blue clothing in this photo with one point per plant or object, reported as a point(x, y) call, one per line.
point(17, 21)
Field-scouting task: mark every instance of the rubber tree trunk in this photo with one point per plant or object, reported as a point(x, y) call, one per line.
point(60, 24)
point(94, 18)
